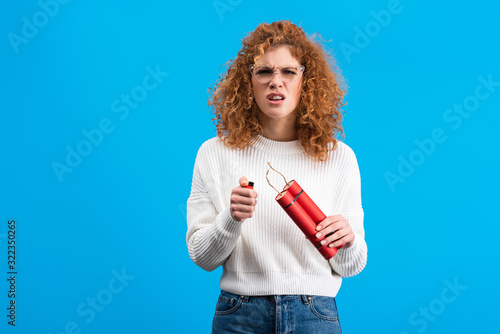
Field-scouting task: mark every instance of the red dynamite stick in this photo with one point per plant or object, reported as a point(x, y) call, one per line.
point(307, 203)
point(306, 215)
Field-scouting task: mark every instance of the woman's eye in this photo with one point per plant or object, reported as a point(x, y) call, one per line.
point(264, 71)
point(289, 71)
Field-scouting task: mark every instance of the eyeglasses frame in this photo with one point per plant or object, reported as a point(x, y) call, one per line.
point(277, 70)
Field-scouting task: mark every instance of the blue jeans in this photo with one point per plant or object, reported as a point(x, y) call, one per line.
point(275, 314)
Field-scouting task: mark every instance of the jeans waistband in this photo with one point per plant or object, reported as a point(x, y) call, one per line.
point(276, 298)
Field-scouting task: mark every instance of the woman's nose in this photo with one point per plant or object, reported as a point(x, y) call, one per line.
point(276, 80)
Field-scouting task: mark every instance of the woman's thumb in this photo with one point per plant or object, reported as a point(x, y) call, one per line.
point(243, 181)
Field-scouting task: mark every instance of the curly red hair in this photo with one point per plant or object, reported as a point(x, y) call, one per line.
point(319, 114)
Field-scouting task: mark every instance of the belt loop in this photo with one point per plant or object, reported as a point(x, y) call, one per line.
point(306, 299)
point(245, 298)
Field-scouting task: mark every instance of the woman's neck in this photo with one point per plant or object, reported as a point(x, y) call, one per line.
point(279, 129)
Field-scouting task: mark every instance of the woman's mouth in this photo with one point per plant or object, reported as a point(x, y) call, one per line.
point(275, 98)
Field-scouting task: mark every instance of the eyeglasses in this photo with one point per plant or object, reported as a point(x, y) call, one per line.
point(287, 74)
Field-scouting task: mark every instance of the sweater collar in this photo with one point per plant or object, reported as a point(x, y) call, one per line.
point(278, 147)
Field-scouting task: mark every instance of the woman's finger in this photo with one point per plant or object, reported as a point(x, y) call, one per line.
point(242, 208)
point(330, 227)
point(238, 199)
point(245, 192)
point(331, 237)
point(328, 221)
point(243, 181)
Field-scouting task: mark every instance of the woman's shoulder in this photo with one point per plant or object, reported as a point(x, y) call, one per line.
point(212, 143)
point(341, 150)
point(212, 146)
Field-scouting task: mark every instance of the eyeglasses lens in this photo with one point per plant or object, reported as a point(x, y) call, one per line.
point(265, 74)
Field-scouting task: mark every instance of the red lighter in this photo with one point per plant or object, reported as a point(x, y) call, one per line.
point(304, 212)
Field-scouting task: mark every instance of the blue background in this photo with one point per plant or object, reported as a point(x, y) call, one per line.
point(122, 207)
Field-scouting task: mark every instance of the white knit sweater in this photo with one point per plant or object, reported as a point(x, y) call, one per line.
point(268, 254)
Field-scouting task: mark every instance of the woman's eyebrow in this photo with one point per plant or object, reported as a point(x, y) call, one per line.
point(277, 66)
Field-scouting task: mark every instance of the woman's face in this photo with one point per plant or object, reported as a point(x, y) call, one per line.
point(277, 57)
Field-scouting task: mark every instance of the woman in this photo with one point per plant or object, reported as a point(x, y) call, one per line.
point(279, 102)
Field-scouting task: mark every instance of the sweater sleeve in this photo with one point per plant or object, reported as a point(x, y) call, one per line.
point(211, 235)
point(351, 261)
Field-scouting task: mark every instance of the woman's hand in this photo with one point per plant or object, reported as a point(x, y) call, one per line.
point(243, 201)
point(343, 233)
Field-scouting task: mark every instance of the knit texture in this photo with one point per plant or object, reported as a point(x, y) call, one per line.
point(268, 254)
